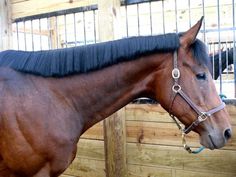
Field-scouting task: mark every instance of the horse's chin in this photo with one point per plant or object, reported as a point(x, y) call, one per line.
point(212, 141)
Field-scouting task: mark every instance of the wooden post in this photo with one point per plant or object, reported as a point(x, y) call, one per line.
point(114, 126)
point(53, 33)
point(115, 144)
point(5, 25)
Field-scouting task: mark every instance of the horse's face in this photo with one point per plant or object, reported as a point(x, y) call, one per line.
point(196, 82)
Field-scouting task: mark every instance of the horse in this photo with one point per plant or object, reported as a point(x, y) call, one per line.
point(226, 59)
point(50, 98)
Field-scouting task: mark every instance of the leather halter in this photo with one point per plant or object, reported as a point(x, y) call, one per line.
point(201, 115)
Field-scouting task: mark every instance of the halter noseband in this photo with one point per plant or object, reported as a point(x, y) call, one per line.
point(201, 115)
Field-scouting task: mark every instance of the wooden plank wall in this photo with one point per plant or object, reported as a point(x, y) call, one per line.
point(154, 149)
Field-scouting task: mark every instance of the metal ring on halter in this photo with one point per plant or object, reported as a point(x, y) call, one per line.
point(202, 117)
point(176, 88)
point(175, 73)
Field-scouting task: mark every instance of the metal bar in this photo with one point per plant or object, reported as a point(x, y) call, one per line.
point(94, 27)
point(40, 36)
point(138, 19)
point(219, 44)
point(150, 9)
point(222, 29)
point(163, 16)
point(65, 30)
point(75, 35)
point(56, 26)
point(189, 13)
point(32, 35)
point(126, 18)
point(124, 2)
point(85, 41)
point(204, 24)
point(25, 36)
point(17, 35)
point(234, 46)
point(176, 16)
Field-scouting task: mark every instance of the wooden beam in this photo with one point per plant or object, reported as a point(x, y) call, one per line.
point(115, 145)
point(108, 19)
point(54, 33)
point(114, 126)
point(23, 8)
point(5, 25)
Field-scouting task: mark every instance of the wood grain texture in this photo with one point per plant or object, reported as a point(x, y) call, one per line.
point(147, 112)
point(5, 25)
point(223, 161)
point(95, 132)
point(25, 8)
point(196, 173)
point(147, 171)
point(115, 145)
point(155, 113)
point(165, 134)
point(86, 168)
point(90, 149)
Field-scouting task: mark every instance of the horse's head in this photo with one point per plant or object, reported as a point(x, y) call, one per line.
point(190, 93)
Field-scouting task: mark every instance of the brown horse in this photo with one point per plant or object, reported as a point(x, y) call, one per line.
point(50, 98)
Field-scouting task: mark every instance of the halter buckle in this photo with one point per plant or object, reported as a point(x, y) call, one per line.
point(176, 73)
point(202, 117)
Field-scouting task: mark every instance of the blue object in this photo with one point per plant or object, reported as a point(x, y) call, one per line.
point(198, 150)
point(222, 96)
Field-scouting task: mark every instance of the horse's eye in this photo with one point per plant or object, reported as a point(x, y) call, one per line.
point(201, 76)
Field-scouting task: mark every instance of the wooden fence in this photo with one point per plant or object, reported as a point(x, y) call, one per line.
point(153, 149)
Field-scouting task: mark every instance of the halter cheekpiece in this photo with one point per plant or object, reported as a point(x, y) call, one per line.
point(201, 115)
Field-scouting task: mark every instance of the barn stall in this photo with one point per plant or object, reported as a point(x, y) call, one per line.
point(140, 140)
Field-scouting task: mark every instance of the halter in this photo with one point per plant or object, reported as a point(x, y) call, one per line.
point(201, 115)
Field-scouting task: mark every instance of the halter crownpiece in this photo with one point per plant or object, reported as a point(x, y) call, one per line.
point(201, 115)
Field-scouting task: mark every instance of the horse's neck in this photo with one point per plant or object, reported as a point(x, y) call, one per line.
point(101, 93)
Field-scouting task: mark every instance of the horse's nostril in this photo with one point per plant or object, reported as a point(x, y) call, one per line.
point(228, 134)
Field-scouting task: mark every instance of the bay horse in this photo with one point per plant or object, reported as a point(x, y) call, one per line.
point(225, 55)
point(50, 98)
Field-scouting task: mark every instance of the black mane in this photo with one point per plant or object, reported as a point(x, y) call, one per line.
point(63, 62)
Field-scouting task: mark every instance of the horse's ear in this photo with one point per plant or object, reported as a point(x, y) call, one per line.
point(189, 36)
